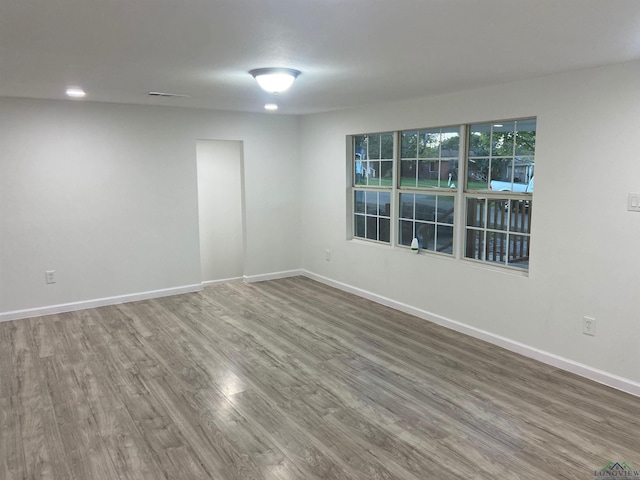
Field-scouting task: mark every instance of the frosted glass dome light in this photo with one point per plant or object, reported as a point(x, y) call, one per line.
point(275, 80)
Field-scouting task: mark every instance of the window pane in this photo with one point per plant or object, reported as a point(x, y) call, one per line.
point(386, 173)
point(444, 239)
point(526, 137)
point(445, 209)
point(523, 173)
point(406, 205)
point(520, 212)
point(372, 227)
point(425, 207)
point(429, 144)
point(372, 173)
point(385, 229)
point(384, 204)
point(409, 144)
point(425, 233)
point(371, 203)
point(358, 229)
point(405, 233)
point(479, 140)
point(478, 176)
point(408, 173)
point(449, 173)
point(359, 177)
point(501, 170)
point(373, 147)
point(502, 139)
point(359, 201)
point(520, 170)
point(450, 142)
point(498, 213)
point(360, 144)
point(428, 173)
point(475, 212)
point(474, 246)
point(386, 145)
point(519, 251)
point(359, 155)
point(496, 247)
point(367, 172)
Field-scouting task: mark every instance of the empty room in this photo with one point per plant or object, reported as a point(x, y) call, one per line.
point(321, 239)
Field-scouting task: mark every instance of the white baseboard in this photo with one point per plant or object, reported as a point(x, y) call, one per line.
point(272, 276)
point(99, 302)
point(224, 280)
point(562, 363)
point(577, 368)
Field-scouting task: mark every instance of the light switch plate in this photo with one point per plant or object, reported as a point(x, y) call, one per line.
point(634, 202)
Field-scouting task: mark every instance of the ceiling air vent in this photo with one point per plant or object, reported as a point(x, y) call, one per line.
point(165, 94)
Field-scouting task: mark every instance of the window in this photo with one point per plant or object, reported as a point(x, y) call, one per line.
point(428, 167)
point(373, 162)
point(411, 184)
point(498, 194)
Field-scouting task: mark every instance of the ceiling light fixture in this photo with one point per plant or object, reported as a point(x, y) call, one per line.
point(275, 80)
point(75, 92)
point(272, 107)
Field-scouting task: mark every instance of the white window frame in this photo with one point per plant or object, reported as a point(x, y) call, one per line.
point(490, 196)
point(437, 191)
point(370, 188)
point(461, 195)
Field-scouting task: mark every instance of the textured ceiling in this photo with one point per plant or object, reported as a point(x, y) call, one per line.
point(351, 52)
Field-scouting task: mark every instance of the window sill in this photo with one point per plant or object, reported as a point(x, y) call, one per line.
point(514, 271)
point(371, 243)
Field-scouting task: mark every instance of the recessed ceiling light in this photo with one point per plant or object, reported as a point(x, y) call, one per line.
point(275, 80)
point(272, 107)
point(498, 125)
point(75, 92)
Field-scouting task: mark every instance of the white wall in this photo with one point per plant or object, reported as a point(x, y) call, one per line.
point(106, 195)
point(585, 258)
point(220, 199)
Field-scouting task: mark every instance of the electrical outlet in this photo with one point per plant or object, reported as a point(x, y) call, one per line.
point(589, 326)
point(327, 255)
point(50, 276)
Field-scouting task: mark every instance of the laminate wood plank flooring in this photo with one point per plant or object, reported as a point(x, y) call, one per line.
point(290, 379)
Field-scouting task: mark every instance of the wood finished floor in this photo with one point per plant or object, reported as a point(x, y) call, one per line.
point(290, 379)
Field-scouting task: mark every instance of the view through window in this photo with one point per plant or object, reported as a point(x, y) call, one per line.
point(409, 184)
